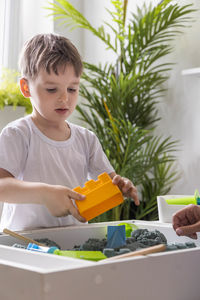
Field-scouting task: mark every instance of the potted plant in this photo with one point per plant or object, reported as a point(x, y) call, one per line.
point(119, 99)
point(12, 103)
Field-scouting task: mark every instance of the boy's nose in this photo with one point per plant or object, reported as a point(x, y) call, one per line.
point(63, 97)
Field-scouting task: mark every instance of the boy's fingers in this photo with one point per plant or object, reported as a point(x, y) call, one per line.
point(76, 196)
point(117, 180)
point(74, 212)
point(136, 199)
point(128, 187)
point(133, 194)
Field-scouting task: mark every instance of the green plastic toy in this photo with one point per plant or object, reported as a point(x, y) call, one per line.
point(129, 228)
point(185, 200)
point(88, 255)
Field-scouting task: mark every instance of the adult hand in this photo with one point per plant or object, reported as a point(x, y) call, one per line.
point(187, 221)
point(127, 188)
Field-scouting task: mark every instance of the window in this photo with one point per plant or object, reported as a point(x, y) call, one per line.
point(9, 35)
point(2, 33)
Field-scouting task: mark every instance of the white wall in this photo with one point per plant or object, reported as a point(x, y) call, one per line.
point(181, 106)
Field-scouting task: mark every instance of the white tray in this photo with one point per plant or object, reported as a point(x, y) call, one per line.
point(26, 275)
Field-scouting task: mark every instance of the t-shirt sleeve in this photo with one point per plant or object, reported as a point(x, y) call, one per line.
point(98, 161)
point(13, 150)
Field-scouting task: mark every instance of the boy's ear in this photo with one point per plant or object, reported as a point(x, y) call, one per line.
point(24, 87)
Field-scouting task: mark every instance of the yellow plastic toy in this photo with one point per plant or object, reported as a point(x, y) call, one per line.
point(101, 196)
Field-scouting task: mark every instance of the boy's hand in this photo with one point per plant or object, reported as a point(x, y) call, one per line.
point(58, 200)
point(187, 221)
point(127, 187)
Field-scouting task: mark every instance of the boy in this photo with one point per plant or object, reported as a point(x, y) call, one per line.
point(44, 147)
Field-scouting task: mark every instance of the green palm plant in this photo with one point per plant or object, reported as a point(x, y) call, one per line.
point(10, 94)
point(120, 99)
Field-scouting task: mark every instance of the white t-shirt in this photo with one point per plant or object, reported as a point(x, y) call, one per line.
point(29, 155)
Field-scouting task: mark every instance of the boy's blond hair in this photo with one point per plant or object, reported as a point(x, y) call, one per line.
point(48, 52)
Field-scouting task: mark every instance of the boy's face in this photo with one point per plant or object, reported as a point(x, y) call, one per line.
point(54, 97)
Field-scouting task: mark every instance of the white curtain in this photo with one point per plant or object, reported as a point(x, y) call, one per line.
point(10, 33)
point(19, 20)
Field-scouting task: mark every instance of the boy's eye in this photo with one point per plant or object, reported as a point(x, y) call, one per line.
point(70, 90)
point(51, 90)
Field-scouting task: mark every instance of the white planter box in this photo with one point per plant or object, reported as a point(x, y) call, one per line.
point(168, 275)
point(165, 210)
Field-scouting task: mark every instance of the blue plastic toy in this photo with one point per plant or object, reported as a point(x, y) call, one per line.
point(116, 236)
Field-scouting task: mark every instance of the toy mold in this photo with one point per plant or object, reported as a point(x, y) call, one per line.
point(101, 196)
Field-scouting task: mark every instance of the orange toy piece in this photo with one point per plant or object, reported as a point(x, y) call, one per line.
point(101, 195)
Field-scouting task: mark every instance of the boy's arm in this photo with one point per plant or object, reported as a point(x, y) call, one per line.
point(4, 173)
point(126, 186)
point(57, 199)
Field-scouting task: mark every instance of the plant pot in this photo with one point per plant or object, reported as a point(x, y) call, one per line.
point(9, 114)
